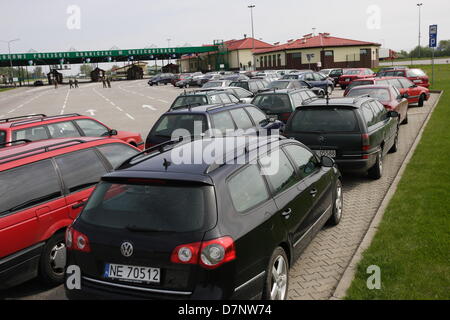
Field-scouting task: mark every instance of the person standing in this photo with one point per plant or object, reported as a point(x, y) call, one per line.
point(55, 82)
point(104, 82)
point(70, 84)
point(76, 83)
point(108, 81)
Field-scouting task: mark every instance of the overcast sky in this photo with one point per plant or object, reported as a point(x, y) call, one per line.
point(43, 25)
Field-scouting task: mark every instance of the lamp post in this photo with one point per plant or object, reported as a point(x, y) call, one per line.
point(168, 46)
point(420, 7)
point(253, 35)
point(9, 53)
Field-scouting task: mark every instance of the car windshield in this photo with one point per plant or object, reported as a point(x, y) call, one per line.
point(273, 103)
point(212, 84)
point(168, 123)
point(185, 101)
point(278, 85)
point(149, 207)
point(381, 94)
point(324, 120)
point(415, 73)
point(351, 72)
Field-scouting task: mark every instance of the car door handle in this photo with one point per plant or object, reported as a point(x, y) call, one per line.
point(313, 192)
point(79, 205)
point(287, 213)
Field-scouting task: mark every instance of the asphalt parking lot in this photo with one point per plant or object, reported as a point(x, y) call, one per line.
point(134, 106)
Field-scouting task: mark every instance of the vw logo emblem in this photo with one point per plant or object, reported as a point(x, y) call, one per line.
point(126, 249)
point(322, 139)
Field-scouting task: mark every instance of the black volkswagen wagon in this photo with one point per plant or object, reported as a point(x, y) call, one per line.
point(356, 132)
point(160, 229)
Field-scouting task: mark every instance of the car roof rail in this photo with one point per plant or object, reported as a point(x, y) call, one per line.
point(153, 151)
point(215, 165)
point(15, 141)
point(34, 120)
point(21, 117)
point(39, 150)
point(186, 106)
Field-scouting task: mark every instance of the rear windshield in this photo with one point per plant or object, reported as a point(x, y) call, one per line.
point(415, 73)
point(291, 76)
point(360, 83)
point(278, 85)
point(321, 120)
point(189, 101)
point(239, 84)
point(273, 103)
point(377, 93)
point(350, 72)
point(167, 124)
point(140, 207)
point(212, 84)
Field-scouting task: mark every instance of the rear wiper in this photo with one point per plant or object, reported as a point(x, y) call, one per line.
point(134, 228)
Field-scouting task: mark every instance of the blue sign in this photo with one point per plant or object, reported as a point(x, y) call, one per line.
point(433, 36)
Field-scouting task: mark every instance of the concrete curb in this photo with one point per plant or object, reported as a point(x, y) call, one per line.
point(349, 273)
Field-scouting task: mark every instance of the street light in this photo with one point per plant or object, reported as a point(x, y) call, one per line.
point(168, 46)
point(253, 35)
point(9, 52)
point(420, 7)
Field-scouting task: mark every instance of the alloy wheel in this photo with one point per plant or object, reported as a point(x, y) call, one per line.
point(279, 279)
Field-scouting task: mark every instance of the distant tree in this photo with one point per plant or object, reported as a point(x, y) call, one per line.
point(37, 73)
point(86, 69)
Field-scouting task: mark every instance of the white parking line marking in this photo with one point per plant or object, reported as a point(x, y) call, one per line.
point(164, 101)
point(118, 108)
point(129, 116)
point(149, 107)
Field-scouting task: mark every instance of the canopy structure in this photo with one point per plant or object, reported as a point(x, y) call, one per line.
point(99, 56)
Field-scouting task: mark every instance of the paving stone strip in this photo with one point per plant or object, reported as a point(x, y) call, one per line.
point(317, 272)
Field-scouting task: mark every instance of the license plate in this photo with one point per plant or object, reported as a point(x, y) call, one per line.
point(328, 153)
point(132, 273)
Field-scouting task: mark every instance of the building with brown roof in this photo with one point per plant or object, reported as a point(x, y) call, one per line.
point(308, 51)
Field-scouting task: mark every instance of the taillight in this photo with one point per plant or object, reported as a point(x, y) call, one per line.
point(76, 240)
point(209, 254)
point(365, 144)
point(285, 116)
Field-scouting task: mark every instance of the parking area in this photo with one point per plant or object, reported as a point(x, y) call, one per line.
point(134, 106)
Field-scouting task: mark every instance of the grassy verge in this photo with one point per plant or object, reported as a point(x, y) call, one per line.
point(414, 59)
point(5, 89)
point(412, 245)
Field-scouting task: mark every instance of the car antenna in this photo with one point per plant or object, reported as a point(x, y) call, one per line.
point(166, 163)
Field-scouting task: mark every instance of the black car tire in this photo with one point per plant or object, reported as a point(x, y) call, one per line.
point(376, 171)
point(394, 147)
point(421, 100)
point(343, 87)
point(278, 256)
point(50, 274)
point(338, 204)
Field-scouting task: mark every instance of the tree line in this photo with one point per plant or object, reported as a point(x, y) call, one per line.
point(443, 50)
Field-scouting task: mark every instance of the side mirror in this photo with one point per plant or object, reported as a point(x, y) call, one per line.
point(393, 114)
point(327, 162)
point(112, 132)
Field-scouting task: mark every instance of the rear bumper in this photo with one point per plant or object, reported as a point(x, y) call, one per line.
point(358, 165)
point(20, 266)
point(94, 289)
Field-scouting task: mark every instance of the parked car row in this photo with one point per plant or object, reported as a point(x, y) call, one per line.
point(141, 226)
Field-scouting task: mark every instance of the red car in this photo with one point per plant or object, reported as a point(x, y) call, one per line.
point(44, 185)
point(416, 94)
point(179, 77)
point(349, 75)
point(417, 76)
point(388, 95)
point(39, 127)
